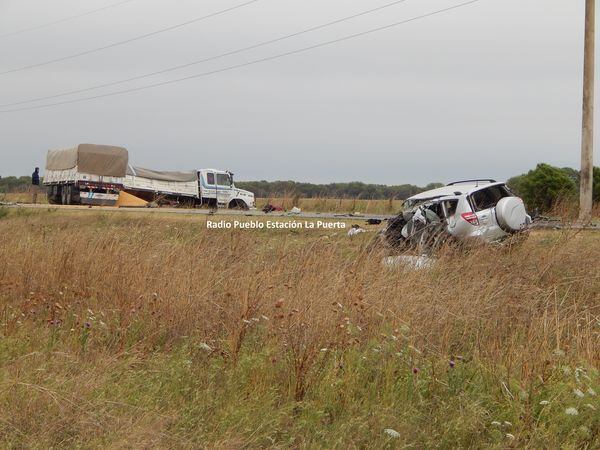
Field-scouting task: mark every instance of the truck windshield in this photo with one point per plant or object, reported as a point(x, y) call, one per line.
point(223, 179)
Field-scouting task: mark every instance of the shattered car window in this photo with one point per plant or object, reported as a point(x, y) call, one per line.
point(450, 206)
point(488, 197)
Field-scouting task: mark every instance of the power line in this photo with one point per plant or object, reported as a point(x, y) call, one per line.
point(65, 19)
point(127, 41)
point(212, 58)
point(249, 63)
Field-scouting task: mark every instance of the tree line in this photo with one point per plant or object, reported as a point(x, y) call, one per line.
point(354, 189)
point(14, 184)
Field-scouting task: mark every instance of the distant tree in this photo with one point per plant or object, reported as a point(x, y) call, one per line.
point(542, 187)
point(515, 184)
point(13, 184)
point(431, 186)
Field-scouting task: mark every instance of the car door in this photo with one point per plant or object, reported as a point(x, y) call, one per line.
point(483, 202)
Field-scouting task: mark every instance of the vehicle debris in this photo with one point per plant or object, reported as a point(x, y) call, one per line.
point(356, 229)
point(271, 208)
point(374, 221)
point(485, 210)
point(295, 210)
point(409, 262)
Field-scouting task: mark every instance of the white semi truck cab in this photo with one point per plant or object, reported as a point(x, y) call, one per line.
point(203, 187)
point(218, 184)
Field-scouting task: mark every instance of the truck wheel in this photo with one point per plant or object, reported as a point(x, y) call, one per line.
point(53, 195)
point(63, 195)
point(238, 204)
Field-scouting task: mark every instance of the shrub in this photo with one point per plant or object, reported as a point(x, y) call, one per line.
point(542, 187)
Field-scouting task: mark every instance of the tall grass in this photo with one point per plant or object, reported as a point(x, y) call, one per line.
point(335, 205)
point(131, 331)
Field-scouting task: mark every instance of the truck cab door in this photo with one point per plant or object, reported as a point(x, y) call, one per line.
point(224, 189)
point(208, 182)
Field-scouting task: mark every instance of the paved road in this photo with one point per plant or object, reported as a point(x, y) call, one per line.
point(204, 212)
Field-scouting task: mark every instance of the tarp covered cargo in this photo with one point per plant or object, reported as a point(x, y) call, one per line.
point(103, 160)
point(186, 176)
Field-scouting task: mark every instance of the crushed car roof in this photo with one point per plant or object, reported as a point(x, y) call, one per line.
point(452, 190)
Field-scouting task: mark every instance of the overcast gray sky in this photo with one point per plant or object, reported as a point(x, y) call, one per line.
point(487, 90)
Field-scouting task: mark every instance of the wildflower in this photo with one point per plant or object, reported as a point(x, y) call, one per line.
point(507, 423)
point(324, 349)
point(591, 392)
point(264, 317)
point(590, 406)
point(578, 393)
point(204, 346)
point(392, 433)
point(496, 423)
point(451, 364)
point(87, 325)
point(544, 402)
point(510, 436)
point(415, 370)
point(571, 411)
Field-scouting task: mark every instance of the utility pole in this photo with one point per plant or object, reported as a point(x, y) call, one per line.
point(587, 140)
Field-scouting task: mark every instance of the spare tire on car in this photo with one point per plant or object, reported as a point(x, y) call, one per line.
point(511, 214)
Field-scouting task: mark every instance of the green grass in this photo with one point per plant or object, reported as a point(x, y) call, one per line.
point(189, 397)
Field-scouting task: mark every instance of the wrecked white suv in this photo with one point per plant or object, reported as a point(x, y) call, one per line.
point(483, 209)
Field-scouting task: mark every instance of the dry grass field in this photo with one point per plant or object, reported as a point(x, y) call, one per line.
point(129, 331)
point(335, 205)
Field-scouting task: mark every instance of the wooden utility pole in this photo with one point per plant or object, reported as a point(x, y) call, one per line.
point(587, 140)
